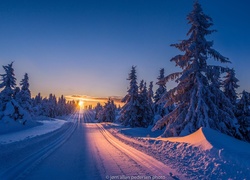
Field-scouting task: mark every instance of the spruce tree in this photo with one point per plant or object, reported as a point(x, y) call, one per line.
point(98, 110)
point(198, 100)
point(230, 85)
point(145, 112)
point(129, 112)
point(23, 97)
point(162, 87)
point(8, 84)
point(108, 112)
point(10, 109)
point(150, 94)
point(159, 103)
point(243, 115)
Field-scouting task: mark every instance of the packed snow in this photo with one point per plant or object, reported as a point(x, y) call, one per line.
point(205, 154)
point(45, 127)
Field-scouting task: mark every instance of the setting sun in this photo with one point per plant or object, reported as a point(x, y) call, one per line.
point(81, 104)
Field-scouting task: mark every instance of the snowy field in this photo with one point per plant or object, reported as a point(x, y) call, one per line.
point(205, 154)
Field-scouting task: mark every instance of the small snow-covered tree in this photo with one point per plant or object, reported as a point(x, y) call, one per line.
point(98, 110)
point(150, 93)
point(243, 114)
point(129, 112)
point(61, 106)
point(37, 105)
point(159, 108)
point(145, 111)
point(230, 85)
point(8, 84)
point(198, 100)
point(23, 97)
point(52, 104)
point(108, 112)
point(10, 108)
point(162, 87)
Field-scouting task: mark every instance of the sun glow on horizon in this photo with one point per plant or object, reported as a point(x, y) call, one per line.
point(84, 101)
point(81, 104)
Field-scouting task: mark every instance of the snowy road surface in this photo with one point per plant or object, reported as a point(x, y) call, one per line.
point(91, 152)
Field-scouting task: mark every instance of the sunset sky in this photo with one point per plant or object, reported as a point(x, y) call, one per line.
point(88, 47)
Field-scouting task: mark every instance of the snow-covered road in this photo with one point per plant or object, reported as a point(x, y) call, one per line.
point(91, 152)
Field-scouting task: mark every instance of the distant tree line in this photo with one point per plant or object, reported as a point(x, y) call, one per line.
point(205, 95)
point(16, 103)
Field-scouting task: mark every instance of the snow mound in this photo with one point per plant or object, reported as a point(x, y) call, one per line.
point(197, 138)
point(207, 139)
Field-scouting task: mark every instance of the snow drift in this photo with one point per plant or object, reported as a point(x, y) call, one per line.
point(204, 154)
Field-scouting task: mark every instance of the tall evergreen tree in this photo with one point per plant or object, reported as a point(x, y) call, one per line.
point(150, 93)
point(145, 112)
point(129, 112)
point(162, 87)
point(230, 85)
point(98, 110)
point(159, 108)
point(10, 109)
point(24, 96)
point(243, 114)
point(61, 106)
point(199, 103)
point(8, 84)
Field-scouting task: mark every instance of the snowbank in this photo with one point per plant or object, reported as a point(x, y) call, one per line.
point(205, 154)
point(46, 127)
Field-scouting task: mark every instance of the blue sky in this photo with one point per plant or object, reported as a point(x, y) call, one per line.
point(88, 47)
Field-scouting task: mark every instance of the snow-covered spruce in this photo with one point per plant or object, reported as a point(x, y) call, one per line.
point(151, 95)
point(198, 99)
point(243, 114)
point(98, 110)
point(108, 112)
point(12, 114)
point(230, 85)
point(145, 111)
point(129, 112)
point(159, 102)
point(137, 111)
point(23, 95)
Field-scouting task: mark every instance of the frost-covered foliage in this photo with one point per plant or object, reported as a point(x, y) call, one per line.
point(197, 96)
point(230, 85)
point(108, 112)
point(129, 112)
point(162, 87)
point(98, 110)
point(243, 114)
point(159, 108)
point(150, 94)
point(51, 107)
point(145, 111)
point(137, 111)
point(10, 108)
point(8, 84)
point(23, 97)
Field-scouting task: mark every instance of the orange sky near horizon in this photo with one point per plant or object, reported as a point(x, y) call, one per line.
point(92, 101)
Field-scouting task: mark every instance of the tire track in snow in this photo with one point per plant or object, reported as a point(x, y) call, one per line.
point(22, 169)
point(150, 165)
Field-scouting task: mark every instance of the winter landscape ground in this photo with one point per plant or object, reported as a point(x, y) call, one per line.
point(80, 148)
